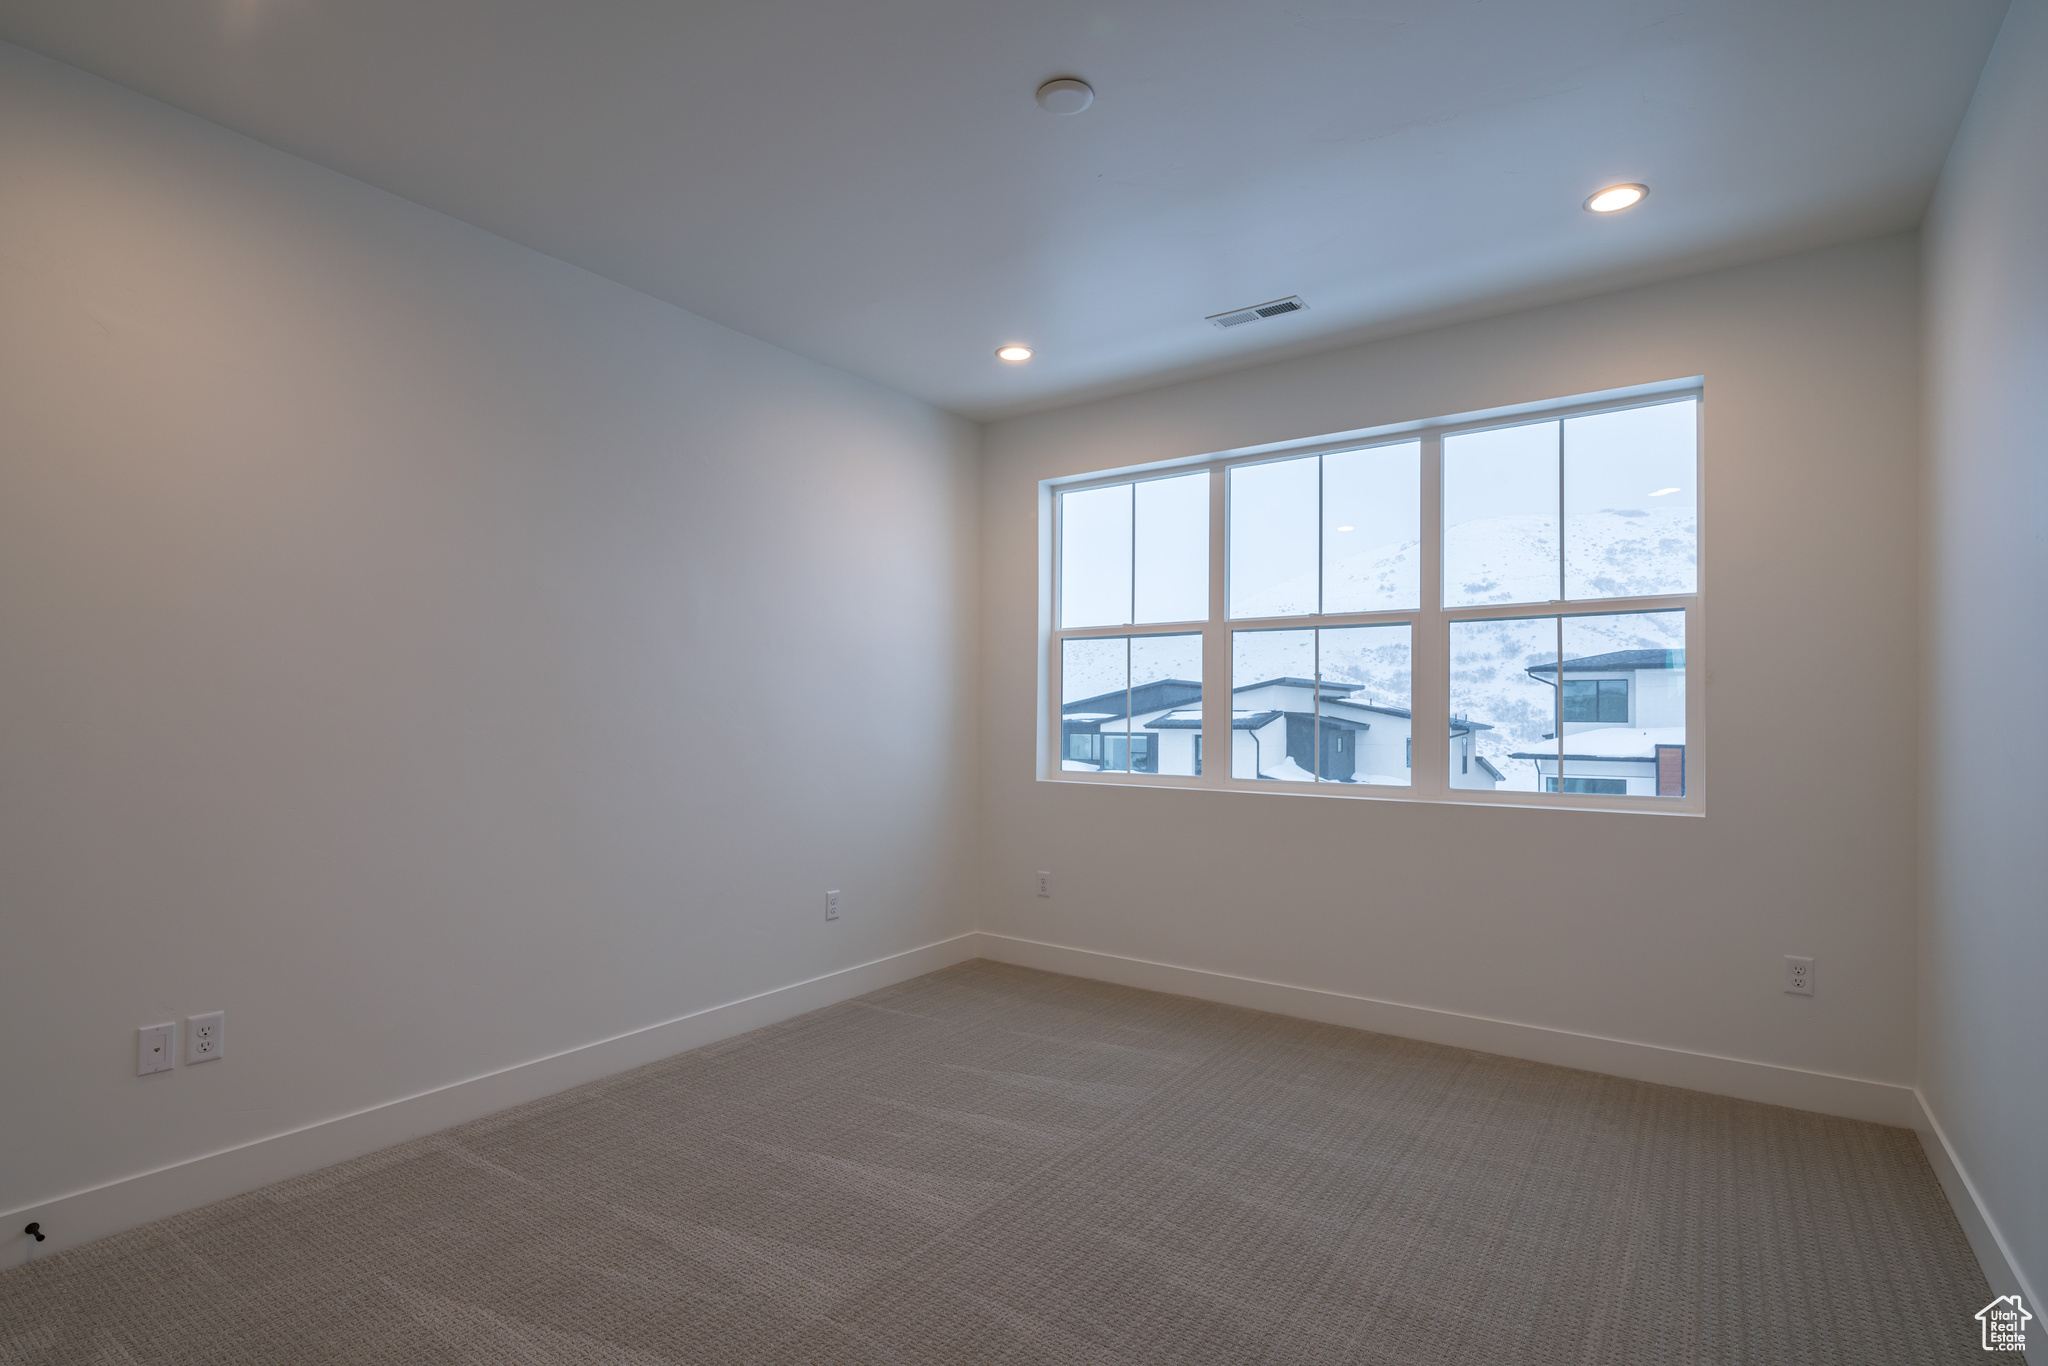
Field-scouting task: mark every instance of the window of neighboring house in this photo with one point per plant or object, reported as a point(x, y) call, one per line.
point(1606, 787)
point(1540, 570)
point(1600, 700)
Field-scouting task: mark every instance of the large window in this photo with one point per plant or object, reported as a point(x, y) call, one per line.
point(1522, 593)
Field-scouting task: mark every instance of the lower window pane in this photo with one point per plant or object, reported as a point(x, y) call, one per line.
point(1166, 704)
point(1272, 705)
point(1503, 706)
point(1608, 720)
point(1624, 704)
point(1362, 704)
point(1095, 677)
point(1131, 704)
point(1327, 705)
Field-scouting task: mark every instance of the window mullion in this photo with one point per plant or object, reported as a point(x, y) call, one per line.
point(1557, 676)
point(1128, 766)
point(1429, 700)
point(1216, 718)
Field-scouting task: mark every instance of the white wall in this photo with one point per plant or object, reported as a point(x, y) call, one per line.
point(1984, 931)
point(1651, 929)
point(431, 654)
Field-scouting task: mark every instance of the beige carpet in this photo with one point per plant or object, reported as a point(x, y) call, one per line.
point(996, 1165)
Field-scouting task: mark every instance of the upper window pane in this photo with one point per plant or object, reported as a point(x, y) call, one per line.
point(1630, 502)
point(1135, 552)
point(1095, 557)
point(1500, 515)
point(1372, 529)
point(1171, 549)
point(1273, 520)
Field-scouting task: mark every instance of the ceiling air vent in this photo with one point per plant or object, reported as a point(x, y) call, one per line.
point(1291, 304)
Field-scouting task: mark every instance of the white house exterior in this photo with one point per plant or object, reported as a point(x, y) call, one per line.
point(1623, 722)
point(1282, 729)
point(1094, 737)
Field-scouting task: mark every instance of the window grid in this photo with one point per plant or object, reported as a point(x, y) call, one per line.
point(1429, 626)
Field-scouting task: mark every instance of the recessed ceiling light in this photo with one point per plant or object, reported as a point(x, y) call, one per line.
point(1347, 528)
point(1615, 198)
point(1661, 492)
point(1065, 95)
point(1013, 353)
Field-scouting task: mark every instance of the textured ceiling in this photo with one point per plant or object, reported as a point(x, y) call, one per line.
point(872, 184)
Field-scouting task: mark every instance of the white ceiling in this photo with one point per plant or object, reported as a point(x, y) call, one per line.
point(871, 184)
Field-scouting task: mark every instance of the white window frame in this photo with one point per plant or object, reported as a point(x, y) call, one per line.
point(1429, 774)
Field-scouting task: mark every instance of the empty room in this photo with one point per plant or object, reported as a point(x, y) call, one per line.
point(1351, 681)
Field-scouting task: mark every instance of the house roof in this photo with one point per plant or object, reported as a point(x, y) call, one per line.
point(1192, 720)
point(1371, 706)
point(1618, 661)
point(1482, 762)
point(1551, 756)
point(1609, 744)
point(1289, 681)
point(1157, 695)
point(1339, 693)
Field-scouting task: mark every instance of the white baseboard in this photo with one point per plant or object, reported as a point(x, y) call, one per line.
point(1823, 1092)
point(1994, 1254)
point(68, 1220)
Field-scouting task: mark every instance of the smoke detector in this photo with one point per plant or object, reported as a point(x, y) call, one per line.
point(1237, 317)
point(1065, 95)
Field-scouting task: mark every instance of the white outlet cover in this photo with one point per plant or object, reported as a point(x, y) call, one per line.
point(1798, 976)
point(1044, 883)
point(205, 1036)
point(155, 1048)
point(831, 905)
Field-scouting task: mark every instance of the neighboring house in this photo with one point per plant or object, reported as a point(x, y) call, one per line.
point(1623, 719)
point(1274, 734)
point(1470, 768)
point(1093, 734)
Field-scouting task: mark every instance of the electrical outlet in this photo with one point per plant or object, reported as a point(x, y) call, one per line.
point(1798, 975)
point(155, 1048)
point(1045, 884)
point(831, 905)
point(205, 1036)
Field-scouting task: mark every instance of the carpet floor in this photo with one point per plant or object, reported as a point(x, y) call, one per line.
point(991, 1164)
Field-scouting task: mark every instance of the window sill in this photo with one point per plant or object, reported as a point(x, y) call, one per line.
point(1347, 792)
